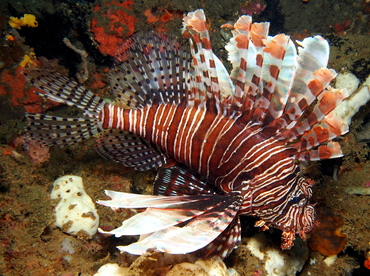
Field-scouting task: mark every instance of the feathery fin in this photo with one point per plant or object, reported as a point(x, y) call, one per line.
point(157, 71)
point(52, 130)
point(208, 215)
point(178, 180)
point(129, 149)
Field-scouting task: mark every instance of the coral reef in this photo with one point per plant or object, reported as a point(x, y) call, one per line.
point(38, 153)
point(156, 264)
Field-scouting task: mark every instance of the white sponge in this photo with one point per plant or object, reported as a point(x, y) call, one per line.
point(75, 213)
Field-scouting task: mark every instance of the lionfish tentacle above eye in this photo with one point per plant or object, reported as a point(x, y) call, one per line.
point(225, 144)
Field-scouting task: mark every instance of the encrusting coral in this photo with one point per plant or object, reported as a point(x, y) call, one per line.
point(326, 238)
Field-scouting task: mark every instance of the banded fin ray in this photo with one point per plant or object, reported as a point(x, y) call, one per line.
point(225, 243)
point(129, 149)
point(209, 217)
point(311, 78)
point(177, 181)
point(246, 58)
point(51, 130)
point(278, 51)
point(61, 89)
point(209, 75)
point(157, 70)
point(285, 92)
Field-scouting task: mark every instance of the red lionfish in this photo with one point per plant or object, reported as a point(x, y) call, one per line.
point(226, 145)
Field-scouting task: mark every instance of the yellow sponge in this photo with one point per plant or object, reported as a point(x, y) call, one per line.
point(28, 20)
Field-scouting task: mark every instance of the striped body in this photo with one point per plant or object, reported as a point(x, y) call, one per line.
point(225, 144)
point(229, 155)
point(221, 150)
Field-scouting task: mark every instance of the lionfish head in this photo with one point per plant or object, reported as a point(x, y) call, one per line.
point(299, 215)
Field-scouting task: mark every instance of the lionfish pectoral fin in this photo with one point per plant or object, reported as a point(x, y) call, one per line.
point(208, 216)
point(225, 243)
point(153, 220)
point(179, 180)
point(129, 149)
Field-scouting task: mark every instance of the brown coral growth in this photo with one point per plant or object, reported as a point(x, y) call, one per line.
point(326, 238)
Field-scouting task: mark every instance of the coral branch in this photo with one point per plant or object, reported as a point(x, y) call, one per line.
point(81, 77)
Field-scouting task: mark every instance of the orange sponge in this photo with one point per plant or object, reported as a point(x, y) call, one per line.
point(326, 238)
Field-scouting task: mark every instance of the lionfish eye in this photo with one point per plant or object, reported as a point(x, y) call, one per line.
point(295, 200)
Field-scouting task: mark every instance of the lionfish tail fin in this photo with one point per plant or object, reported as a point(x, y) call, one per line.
point(61, 89)
point(51, 130)
point(206, 217)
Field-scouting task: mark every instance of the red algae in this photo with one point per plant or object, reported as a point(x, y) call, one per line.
point(14, 86)
point(112, 24)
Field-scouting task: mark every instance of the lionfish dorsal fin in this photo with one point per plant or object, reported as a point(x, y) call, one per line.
point(311, 78)
point(260, 89)
point(246, 58)
point(307, 120)
point(157, 71)
point(210, 79)
point(178, 180)
point(320, 115)
point(278, 71)
point(129, 149)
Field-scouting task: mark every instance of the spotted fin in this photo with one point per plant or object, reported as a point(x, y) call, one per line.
point(130, 150)
point(51, 130)
point(61, 89)
point(59, 131)
point(207, 215)
point(178, 180)
point(157, 71)
point(225, 243)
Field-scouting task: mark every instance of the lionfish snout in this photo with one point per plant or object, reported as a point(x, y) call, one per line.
point(299, 214)
point(299, 219)
point(307, 220)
